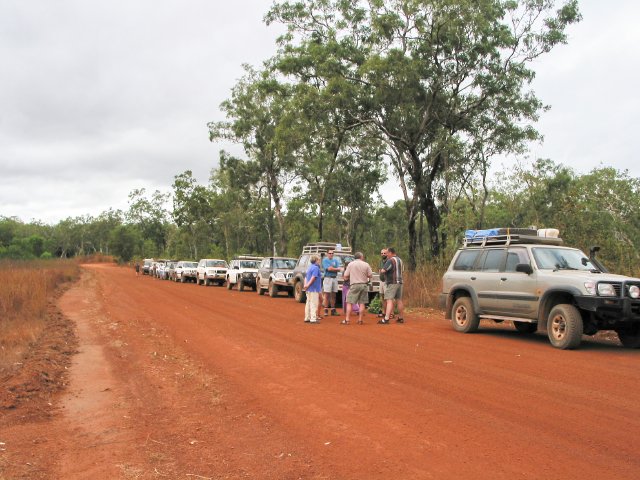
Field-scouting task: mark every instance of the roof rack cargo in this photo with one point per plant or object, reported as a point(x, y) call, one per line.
point(323, 247)
point(510, 236)
point(247, 257)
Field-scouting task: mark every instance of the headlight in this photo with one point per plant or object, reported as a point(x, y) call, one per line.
point(279, 275)
point(591, 287)
point(606, 290)
point(634, 291)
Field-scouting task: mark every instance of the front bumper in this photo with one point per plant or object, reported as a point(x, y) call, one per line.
point(215, 275)
point(247, 280)
point(611, 309)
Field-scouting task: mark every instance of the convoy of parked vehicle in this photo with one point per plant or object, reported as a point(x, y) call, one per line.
point(525, 276)
point(261, 274)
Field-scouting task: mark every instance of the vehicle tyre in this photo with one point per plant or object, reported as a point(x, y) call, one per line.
point(207, 282)
point(524, 327)
point(273, 290)
point(240, 285)
point(229, 285)
point(564, 326)
point(630, 337)
point(260, 290)
point(464, 319)
point(299, 294)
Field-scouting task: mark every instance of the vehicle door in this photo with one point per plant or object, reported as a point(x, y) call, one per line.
point(233, 271)
point(485, 279)
point(301, 267)
point(200, 269)
point(517, 291)
point(264, 271)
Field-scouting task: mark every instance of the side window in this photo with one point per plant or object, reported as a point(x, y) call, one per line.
point(466, 259)
point(266, 263)
point(494, 260)
point(516, 256)
point(303, 261)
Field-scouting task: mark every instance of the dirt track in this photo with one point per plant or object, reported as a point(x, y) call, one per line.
point(184, 381)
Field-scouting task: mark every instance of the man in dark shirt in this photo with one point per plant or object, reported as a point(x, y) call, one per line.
point(392, 271)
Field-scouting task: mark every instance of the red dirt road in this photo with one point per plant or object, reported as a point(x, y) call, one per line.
point(184, 381)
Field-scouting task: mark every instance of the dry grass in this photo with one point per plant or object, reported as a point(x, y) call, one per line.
point(24, 292)
point(422, 288)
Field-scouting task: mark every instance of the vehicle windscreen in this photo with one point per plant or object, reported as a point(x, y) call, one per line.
point(344, 259)
point(249, 264)
point(190, 264)
point(288, 263)
point(561, 259)
point(216, 263)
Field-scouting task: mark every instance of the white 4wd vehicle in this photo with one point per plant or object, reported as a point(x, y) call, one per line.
point(243, 272)
point(538, 284)
point(185, 271)
point(211, 270)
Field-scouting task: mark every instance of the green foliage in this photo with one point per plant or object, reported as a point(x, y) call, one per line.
point(375, 306)
point(124, 240)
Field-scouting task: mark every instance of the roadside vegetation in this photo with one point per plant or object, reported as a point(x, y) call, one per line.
point(357, 95)
point(24, 294)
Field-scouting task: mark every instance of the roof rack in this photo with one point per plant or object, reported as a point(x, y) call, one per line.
point(509, 239)
point(323, 247)
point(247, 257)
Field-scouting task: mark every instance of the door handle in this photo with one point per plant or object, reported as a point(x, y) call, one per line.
point(473, 278)
point(503, 279)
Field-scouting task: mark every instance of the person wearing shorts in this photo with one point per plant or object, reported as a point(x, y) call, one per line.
point(383, 260)
point(393, 286)
point(331, 267)
point(359, 274)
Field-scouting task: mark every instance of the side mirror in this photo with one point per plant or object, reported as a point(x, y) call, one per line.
point(524, 268)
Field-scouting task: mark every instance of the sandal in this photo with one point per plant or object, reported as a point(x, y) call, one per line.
point(344, 322)
point(360, 322)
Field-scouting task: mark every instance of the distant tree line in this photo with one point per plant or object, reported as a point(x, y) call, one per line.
point(226, 217)
point(425, 93)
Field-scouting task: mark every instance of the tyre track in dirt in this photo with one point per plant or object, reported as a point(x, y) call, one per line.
point(399, 401)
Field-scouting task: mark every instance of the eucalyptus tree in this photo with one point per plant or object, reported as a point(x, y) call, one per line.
point(150, 215)
point(599, 208)
point(253, 113)
point(241, 219)
point(428, 75)
point(360, 175)
point(193, 212)
point(101, 227)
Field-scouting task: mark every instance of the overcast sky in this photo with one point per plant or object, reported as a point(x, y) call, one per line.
point(100, 98)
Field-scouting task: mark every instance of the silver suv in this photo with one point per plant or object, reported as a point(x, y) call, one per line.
point(243, 271)
point(538, 284)
point(211, 270)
